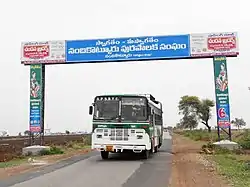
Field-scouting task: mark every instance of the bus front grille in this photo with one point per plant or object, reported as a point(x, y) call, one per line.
point(119, 134)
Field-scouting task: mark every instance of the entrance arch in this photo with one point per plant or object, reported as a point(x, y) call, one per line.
point(218, 46)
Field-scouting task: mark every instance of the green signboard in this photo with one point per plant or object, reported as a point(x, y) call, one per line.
point(221, 92)
point(36, 97)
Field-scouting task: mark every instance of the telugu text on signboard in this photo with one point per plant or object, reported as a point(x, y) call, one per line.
point(134, 48)
point(214, 44)
point(51, 52)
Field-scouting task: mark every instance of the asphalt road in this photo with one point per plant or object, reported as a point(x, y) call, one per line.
point(91, 171)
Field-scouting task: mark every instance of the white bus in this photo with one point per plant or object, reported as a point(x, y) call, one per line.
point(124, 123)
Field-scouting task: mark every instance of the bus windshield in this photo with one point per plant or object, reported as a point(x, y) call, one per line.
point(106, 109)
point(133, 109)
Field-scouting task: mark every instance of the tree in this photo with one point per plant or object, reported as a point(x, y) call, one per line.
point(189, 122)
point(67, 132)
point(179, 126)
point(192, 108)
point(188, 105)
point(238, 122)
point(204, 112)
point(3, 133)
point(169, 128)
point(27, 133)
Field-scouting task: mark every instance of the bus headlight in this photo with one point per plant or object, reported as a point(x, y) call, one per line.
point(139, 136)
point(99, 136)
point(99, 130)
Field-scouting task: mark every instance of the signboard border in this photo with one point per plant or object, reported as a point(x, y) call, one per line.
point(190, 56)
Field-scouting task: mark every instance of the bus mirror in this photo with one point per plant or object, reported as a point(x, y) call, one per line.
point(90, 110)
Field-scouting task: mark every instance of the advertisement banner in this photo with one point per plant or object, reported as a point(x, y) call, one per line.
point(133, 48)
point(48, 52)
point(214, 44)
point(221, 92)
point(36, 76)
point(35, 116)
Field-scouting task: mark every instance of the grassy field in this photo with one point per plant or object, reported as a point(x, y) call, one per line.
point(204, 135)
point(234, 165)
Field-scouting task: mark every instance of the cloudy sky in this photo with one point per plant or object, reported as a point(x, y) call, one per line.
point(70, 89)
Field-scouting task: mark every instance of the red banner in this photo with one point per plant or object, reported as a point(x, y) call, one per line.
point(221, 43)
point(33, 52)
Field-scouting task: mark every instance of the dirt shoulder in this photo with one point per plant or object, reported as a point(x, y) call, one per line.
point(191, 169)
point(16, 167)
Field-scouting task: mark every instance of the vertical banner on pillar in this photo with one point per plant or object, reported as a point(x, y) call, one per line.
point(42, 98)
point(221, 92)
point(36, 78)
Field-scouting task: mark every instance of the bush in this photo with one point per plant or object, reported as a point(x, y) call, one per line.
point(239, 151)
point(244, 141)
point(76, 145)
point(79, 144)
point(70, 144)
point(215, 149)
point(86, 140)
point(52, 151)
point(247, 166)
point(29, 153)
point(222, 150)
point(199, 135)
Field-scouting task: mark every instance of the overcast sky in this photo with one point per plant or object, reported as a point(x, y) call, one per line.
point(70, 89)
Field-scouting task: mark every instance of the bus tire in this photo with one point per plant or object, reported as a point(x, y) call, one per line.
point(152, 147)
point(156, 149)
point(145, 154)
point(160, 143)
point(104, 155)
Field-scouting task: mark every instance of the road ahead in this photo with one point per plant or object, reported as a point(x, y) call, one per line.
point(92, 171)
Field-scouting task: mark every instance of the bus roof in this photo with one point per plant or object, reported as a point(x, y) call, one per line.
point(107, 95)
point(150, 98)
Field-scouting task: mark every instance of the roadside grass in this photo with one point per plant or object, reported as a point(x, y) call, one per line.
point(233, 165)
point(235, 168)
point(14, 162)
point(75, 146)
point(242, 136)
point(199, 135)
